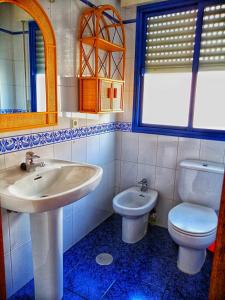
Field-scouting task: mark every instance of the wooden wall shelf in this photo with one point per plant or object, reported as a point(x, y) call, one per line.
point(102, 60)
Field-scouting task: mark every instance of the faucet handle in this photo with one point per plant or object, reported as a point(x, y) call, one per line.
point(143, 181)
point(30, 154)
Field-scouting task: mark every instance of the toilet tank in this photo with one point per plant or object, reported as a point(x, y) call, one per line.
point(200, 182)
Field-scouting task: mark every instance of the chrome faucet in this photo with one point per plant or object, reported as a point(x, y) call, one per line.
point(144, 185)
point(29, 164)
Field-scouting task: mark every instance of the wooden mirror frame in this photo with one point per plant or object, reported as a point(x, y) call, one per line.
point(21, 121)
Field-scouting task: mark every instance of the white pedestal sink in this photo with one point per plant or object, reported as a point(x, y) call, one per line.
point(43, 193)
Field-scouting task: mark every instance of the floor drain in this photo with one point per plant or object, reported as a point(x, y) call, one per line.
point(104, 259)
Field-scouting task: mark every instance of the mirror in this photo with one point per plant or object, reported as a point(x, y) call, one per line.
point(22, 62)
point(28, 88)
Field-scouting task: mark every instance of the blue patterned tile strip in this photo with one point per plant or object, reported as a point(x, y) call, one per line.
point(28, 141)
point(12, 110)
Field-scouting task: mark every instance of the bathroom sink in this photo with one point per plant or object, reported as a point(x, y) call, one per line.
point(43, 193)
point(58, 184)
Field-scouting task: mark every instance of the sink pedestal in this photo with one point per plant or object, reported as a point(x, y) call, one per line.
point(47, 248)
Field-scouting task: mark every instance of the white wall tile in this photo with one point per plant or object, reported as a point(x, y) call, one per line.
point(67, 210)
point(45, 152)
point(130, 147)
point(167, 151)
point(67, 96)
point(14, 159)
point(118, 144)
point(63, 122)
point(108, 183)
point(107, 147)
point(63, 151)
point(81, 221)
point(188, 149)
point(2, 162)
point(79, 150)
point(60, 14)
point(176, 198)
point(5, 227)
point(22, 266)
point(148, 172)
point(19, 229)
point(147, 149)
point(8, 274)
point(128, 174)
point(212, 151)
point(93, 149)
point(118, 173)
point(68, 232)
point(162, 209)
point(164, 182)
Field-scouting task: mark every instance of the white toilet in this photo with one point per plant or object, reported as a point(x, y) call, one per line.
point(193, 223)
point(134, 205)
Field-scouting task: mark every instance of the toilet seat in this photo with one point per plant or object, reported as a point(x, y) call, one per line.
point(178, 230)
point(193, 220)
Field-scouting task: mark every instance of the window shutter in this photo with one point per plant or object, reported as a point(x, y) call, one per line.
point(40, 52)
point(212, 53)
point(170, 41)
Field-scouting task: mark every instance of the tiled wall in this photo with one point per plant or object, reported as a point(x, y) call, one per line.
point(155, 157)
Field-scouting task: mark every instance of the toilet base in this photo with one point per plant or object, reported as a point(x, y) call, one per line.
point(190, 260)
point(134, 229)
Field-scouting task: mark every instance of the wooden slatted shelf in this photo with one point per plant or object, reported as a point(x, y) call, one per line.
point(102, 44)
point(102, 64)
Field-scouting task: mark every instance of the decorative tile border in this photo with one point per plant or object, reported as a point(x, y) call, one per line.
point(33, 140)
point(124, 126)
point(12, 110)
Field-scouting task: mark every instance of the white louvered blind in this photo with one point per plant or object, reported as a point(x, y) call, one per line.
point(170, 41)
point(212, 53)
point(40, 52)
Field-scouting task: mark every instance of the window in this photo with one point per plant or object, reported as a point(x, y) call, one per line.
point(180, 69)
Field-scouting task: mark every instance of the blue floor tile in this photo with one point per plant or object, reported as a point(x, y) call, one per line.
point(89, 279)
point(26, 293)
point(145, 270)
point(68, 295)
point(133, 290)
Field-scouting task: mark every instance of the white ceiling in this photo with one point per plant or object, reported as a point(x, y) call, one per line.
point(126, 3)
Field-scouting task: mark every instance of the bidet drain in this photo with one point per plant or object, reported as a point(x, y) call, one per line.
point(104, 259)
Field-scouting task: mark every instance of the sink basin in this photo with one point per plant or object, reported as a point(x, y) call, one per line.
point(42, 194)
point(57, 184)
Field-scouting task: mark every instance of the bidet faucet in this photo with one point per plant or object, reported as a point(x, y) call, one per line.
point(29, 162)
point(144, 185)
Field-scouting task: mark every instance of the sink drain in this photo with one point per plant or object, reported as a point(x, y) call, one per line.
point(104, 259)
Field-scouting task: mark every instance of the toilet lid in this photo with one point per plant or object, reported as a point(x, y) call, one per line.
point(193, 218)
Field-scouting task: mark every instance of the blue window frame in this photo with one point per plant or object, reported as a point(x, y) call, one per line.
point(157, 9)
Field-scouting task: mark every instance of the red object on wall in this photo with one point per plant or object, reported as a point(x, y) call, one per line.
point(212, 247)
